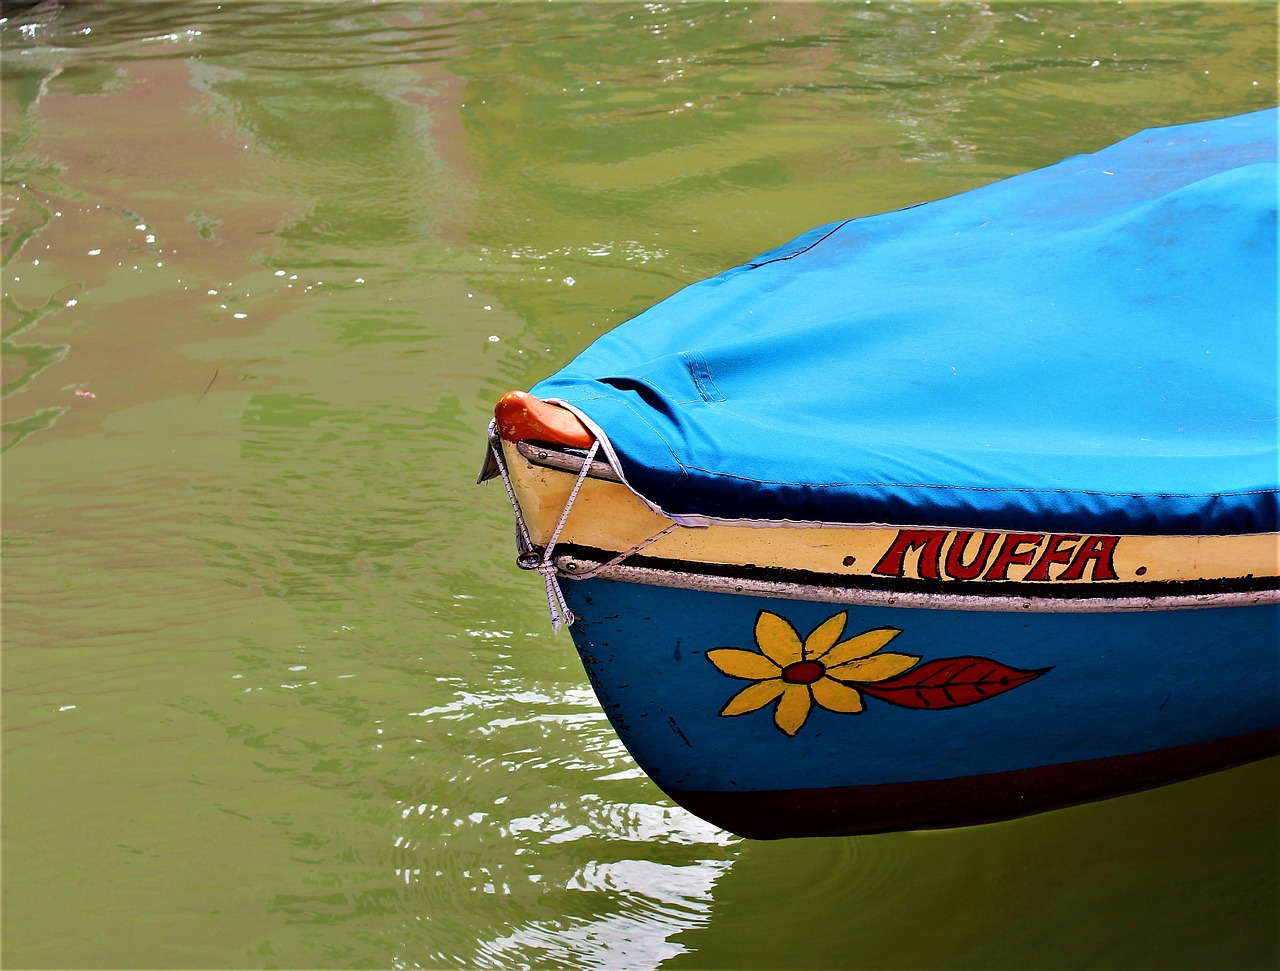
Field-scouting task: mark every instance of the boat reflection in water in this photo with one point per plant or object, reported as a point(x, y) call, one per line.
point(936, 517)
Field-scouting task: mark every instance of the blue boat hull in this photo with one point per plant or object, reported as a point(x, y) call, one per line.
point(938, 516)
point(1064, 708)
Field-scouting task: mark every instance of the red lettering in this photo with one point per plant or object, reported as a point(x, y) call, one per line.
point(1054, 552)
point(1011, 553)
point(928, 541)
point(1095, 553)
point(957, 569)
point(1098, 550)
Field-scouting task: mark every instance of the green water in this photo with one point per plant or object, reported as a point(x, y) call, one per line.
point(274, 694)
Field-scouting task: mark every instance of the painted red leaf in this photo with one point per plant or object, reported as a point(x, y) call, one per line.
point(950, 682)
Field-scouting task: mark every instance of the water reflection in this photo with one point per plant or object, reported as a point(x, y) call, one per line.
point(572, 816)
point(653, 901)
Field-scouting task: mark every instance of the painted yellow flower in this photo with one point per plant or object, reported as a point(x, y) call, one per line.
point(820, 670)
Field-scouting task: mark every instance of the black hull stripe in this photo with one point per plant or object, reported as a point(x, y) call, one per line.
point(1014, 590)
point(859, 810)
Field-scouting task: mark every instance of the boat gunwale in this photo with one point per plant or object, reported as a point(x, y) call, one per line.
point(566, 460)
point(578, 561)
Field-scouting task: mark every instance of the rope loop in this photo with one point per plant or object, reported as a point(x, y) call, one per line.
point(528, 557)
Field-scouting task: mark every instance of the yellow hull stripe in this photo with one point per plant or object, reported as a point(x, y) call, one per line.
point(608, 517)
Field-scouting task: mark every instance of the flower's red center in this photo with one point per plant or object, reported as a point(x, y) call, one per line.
point(803, 672)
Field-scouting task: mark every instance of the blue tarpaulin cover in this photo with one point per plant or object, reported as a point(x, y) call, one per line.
point(1089, 347)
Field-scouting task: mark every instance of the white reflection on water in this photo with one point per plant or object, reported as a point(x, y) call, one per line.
point(586, 861)
point(652, 901)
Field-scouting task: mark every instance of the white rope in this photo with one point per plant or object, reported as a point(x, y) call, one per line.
point(600, 567)
point(561, 615)
point(582, 476)
point(558, 607)
point(528, 558)
point(523, 542)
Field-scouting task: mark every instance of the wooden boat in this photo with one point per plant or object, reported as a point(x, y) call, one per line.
point(936, 517)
